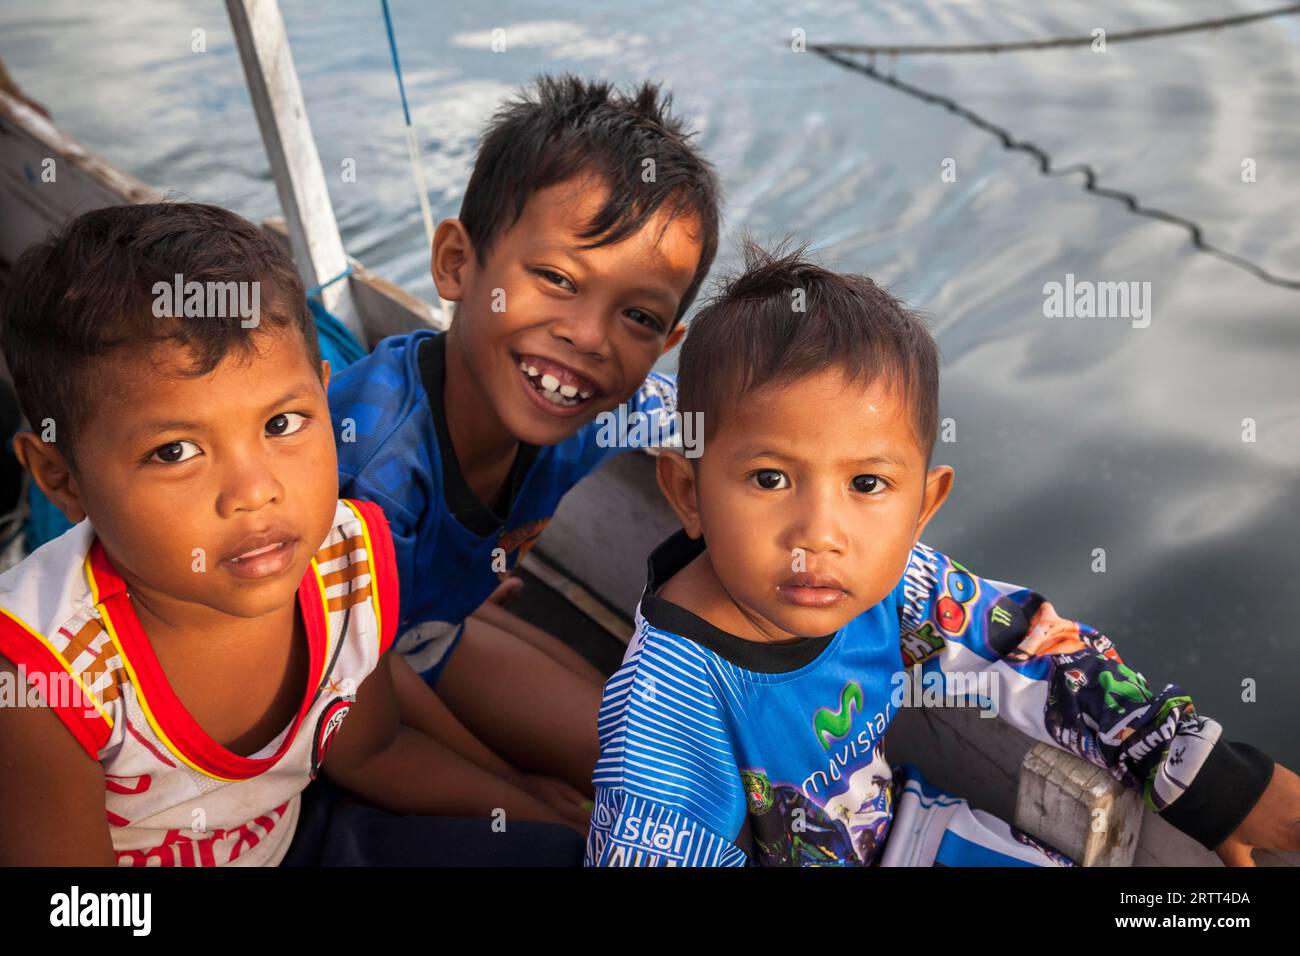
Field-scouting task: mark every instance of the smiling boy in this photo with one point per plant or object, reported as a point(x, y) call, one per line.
point(746, 724)
point(219, 609)
point(587, 226)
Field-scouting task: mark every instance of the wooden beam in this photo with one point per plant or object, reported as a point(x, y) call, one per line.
point(1077, 807)
point(291, 149)
point(80, 180)
point(386, 308)
point(617, 627)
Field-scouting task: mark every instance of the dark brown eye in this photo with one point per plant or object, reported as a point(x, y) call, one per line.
point(556, 279)
point(286, 423)
point(644, 318)
point(867, 484)
point(172, 453)
point(769, 479)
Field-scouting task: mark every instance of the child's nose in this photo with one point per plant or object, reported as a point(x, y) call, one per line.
point(249, 486)
point(586, 328)
point(818, 526)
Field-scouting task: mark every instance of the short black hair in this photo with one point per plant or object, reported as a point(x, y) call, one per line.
point(564, 126)
point(86, 293)
point(751, 334)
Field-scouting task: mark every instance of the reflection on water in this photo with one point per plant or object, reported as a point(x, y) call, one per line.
point(1072, 434)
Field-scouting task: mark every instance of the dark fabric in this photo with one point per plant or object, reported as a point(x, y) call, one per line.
point(1229, 784)
point(11, 473)
point(461, 501)
point(670, 557)
point(335, 829)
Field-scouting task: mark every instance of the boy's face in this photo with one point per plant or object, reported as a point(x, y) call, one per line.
point(553, 334)
point(181, 476)
point(810, 497)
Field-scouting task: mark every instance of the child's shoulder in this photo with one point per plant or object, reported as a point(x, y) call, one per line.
point(661, 657)
point(49, 586)
point(51, 629)
point(386, 379)
point(379, 414)
point(359, 543)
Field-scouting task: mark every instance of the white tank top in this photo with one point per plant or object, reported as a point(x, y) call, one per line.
point(174, 796)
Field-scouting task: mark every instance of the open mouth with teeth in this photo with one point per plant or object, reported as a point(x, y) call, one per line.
point(555, 383)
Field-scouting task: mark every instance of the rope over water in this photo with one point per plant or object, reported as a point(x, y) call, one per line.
point(836, 53)
point(412, 146)
point(1055, 42)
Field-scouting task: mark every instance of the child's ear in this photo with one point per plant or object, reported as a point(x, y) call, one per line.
point(677, 481)
point(674, 337)
point(452, 257)
point(325, 374)
point(938, 482)
point(51, 473)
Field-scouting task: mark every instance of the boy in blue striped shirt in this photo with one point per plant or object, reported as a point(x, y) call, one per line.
point(796, 611)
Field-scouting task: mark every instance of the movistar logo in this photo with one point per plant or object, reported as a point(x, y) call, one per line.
point(830, 724)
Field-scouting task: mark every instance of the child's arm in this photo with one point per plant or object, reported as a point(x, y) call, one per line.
point(402, 770)
point(668, 789)
point(1064, 683)
point(1273, 823)
point(424, 710)
point(52, 810)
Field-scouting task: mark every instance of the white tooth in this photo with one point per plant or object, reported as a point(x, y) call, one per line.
point(523, 366)
point(532, 370)
point(568, 391)
point(550, 382)
point(585, 395)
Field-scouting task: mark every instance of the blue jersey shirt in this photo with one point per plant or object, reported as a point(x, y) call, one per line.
point(719, 751)
point(393, 449)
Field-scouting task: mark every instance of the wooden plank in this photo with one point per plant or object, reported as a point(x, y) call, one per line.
point(31, 206)
point(385, 307)
point(1077, 807)
point(388, 309)
point(977, 758)
point(291, 149)
point(605, 528)
point(620, 628)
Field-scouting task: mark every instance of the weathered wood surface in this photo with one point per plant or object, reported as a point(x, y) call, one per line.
point(47, 177)
point(605, 528)
point(1077, 807)
point(981, 758)
point(386, 308)
point(291, 150)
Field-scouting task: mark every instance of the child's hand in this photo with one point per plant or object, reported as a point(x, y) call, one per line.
point(505, 591)
point(560, 797)
point(1273, 824)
